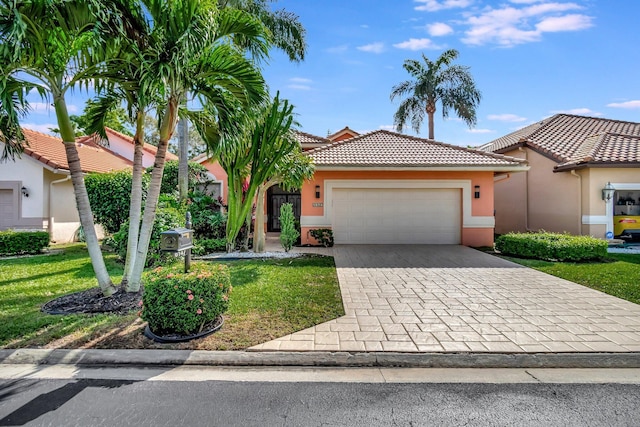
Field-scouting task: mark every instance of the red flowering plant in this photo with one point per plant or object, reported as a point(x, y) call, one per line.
point(181, 303)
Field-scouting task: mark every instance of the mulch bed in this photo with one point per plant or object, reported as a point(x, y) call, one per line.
point(92, 301)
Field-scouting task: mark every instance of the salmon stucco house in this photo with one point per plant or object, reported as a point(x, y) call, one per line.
point(385, 187)
point(584, 177)
point(388, 188)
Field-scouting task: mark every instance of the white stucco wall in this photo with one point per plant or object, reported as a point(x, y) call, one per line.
point(125, 149)
point(30, 173)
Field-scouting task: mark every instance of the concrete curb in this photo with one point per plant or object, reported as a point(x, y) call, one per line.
point(146, 358)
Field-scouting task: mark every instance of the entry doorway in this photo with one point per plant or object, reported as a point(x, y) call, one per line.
point(276, 197)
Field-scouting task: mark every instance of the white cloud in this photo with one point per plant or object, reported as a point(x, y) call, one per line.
point(364, 26)
point(46, 108)
point(627, 104)
point(564, 23)
point(480, 130)
point(373, 47)
point(439, 29)
point(508, 26)
point(41, 127)
point(417, 44)
point(338, 49)
point(435, 5)
point(391, 128)
point(506, 117)
point(579, 112)
point(299, 83)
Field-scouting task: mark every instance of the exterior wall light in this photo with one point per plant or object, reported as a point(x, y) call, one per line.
point(607, 192)
point(317, 191)
point(25, 192)
point(476, 193)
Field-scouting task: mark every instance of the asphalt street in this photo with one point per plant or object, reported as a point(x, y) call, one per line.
point(105, 401)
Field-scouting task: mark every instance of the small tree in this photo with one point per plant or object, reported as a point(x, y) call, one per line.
point(288, 232)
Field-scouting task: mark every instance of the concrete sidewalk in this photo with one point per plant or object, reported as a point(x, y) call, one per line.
point(442, 298)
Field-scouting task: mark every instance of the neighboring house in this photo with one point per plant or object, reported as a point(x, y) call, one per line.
point(123, 145)
point(572, 159)
point(36, 191)
point(387, 188)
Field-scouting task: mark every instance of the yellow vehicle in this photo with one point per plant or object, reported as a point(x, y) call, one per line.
point(626, 226)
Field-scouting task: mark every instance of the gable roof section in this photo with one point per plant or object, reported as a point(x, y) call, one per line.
point(152, 149)
point(308, 141)
point(50, 151)
point(385, 149)
point(342, 134)
point(576, 141)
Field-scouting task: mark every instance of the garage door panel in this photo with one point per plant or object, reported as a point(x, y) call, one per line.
point(396, 216)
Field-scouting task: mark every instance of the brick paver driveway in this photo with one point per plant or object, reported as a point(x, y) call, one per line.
point(441, 298)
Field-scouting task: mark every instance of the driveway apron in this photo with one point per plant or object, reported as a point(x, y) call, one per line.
point(447, 298)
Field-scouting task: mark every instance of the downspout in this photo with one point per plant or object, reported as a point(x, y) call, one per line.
point(526, 192)
point(50, 224)
point(574, 173)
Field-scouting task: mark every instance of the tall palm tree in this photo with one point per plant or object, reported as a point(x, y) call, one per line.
point(286, 33)
point(53, 46)
point(432, 82)
point(189, 52)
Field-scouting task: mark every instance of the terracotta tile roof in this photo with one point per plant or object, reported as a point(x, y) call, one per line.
point(383, 148)
point(576, 140)
point(343, 134)
point(50, 151)
point(307, 138)
point(147, 147)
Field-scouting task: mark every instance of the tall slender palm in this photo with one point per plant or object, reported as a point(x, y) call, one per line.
point(286, 33)
point(432, 82)
point(189, 52)
point(52, 45)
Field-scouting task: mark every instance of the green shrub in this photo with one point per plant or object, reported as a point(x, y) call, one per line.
point(288, 233)
point(197, 175)
point(207, 246)
point(179, 303)
point(166, 218)
point(110, 197)
point(324, 236)
point(552, 246)
point(207, 219)
point(23, 242)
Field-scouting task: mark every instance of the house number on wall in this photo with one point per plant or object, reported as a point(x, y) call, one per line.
point(318, 205)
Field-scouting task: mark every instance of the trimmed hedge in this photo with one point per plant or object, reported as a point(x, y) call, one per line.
point(552, 246)
point(23, 242)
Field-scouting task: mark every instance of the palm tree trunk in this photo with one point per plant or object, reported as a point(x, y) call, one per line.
point(258, 234)
point(431, 110)
point(135, 208)
point(183, 161)
point(82, 198)
point(167, 127)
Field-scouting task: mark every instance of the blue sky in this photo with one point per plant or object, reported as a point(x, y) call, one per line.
point(530, 59)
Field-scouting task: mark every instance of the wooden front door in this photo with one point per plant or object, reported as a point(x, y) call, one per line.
point(277, 198)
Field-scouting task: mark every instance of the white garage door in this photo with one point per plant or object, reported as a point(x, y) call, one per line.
point(6, 209)
point(396, 216)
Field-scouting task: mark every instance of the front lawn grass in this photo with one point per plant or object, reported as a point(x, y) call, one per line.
point(270, 298)
point(617, 275)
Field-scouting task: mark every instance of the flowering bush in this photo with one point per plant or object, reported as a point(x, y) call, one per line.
point(177, 303)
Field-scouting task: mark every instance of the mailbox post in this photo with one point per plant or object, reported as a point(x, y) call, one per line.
point(178, 240)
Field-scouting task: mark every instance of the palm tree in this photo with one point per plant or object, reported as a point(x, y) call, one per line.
point(52, 46)
point(433, 82)
point(189, 52)
point(286, 33)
